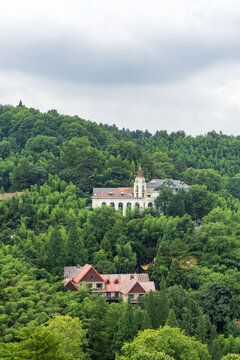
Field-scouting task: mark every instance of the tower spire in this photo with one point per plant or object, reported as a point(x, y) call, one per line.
point(140, 172)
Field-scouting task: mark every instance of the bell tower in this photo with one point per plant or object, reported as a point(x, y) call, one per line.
point(139, 185)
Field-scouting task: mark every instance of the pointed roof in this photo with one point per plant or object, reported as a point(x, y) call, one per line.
point(70, 282)
point(140, 172)
point(83, 271)
point(130, 285)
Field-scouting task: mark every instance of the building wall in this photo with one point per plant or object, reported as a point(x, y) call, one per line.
point(93, 285)
point(133, 296)
point(122, 202)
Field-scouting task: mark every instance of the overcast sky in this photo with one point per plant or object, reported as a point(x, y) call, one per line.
point(172, 65)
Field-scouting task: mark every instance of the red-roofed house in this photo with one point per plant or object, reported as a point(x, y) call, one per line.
point(129, 286)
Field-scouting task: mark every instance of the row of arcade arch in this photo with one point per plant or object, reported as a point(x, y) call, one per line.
point(120, 204)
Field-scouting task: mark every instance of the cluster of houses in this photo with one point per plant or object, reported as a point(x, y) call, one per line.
point(112, 286)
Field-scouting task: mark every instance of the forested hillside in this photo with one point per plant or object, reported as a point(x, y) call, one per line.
point(55, 161)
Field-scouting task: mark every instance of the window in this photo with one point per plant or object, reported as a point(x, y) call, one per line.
point(90, 285)
point(112, 204)
point(99, 286)
point(130, 296)
point(108, 281)
point(116, 281)
point(120, 205)
point(91, 277)
point(110, 193)
point(103, 203)
point(108, 295)
point(129, 204)
point(137, 204)
point(116, 294)
point(150, 205)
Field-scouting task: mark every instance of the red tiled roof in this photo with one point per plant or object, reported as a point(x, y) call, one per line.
point(83, 271)
point(112, 287)
point(117, 192)
point(9, 195)
point(126, 282)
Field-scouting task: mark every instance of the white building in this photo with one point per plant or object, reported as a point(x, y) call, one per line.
point(142, 194)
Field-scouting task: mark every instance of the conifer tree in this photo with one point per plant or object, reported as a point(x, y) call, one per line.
point(55, 253)
point(214, 346)
point(187, 323)
point(146, 322)
point(171, 320)
point(202, 327)
point(127, 328)
point(152, 310)
point(76, 251)
point(163, 307)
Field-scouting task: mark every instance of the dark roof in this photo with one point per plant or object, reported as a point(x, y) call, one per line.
point(168, 182)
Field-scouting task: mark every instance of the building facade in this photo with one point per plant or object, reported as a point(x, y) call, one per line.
point(142, 194)
point(112, 286)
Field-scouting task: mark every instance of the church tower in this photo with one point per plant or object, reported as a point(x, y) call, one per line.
point(139, 185)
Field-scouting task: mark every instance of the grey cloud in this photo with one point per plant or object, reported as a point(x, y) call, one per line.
point(157, 60)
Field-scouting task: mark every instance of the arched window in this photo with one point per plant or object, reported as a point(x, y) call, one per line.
point(103, 203)
point(112, 204)
point(137, 204)
point(150, 205)
point(108, 281)
point(129, 204)
point(120, 205)
point(116, 281)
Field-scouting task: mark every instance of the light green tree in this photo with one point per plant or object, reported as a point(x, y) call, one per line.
point(166, 341)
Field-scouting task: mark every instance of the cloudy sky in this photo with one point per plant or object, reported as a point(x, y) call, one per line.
point(172, 64)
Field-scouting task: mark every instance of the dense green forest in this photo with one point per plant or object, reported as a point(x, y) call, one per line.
point(55, 161)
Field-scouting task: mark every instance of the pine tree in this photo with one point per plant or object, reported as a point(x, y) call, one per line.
point(187, 323)
point(146, 322)
point(163, 307)
point(55, 253)
point(171, 320)
point(151, 307)
point(214, 346)
point(76, 251)
point(127, 327)
point(202, 327)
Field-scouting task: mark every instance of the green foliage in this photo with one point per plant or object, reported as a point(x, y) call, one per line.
point(165, 341)
point(171, 319)
point(63, 338)
point(59, 159)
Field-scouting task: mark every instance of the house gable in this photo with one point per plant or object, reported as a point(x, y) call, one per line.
point(88, 274)
point(136, 289)
point(71, 286)
point(92, 275)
